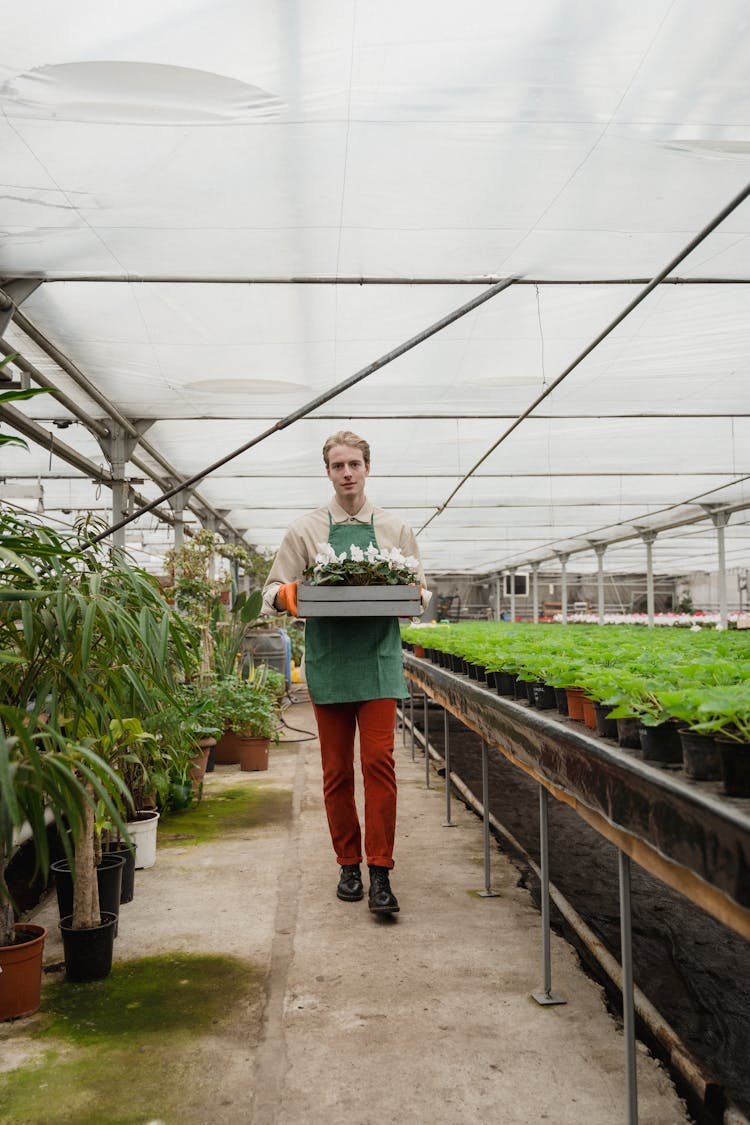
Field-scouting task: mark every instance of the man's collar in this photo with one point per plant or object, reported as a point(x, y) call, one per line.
point(340, 515)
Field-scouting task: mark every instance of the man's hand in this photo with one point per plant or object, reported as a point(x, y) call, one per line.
point(286, 598)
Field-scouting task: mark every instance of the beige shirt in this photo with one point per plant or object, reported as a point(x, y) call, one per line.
point(304, 537)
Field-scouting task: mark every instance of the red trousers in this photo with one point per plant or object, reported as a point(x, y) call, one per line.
point(376, 719)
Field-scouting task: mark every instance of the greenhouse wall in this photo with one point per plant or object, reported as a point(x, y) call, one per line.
point(702, 586)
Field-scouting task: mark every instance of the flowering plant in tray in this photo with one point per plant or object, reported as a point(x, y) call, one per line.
point(360, 583)
point(357, 567)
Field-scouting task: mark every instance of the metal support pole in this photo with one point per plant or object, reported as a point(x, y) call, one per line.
point(648, 538)
point(720, 519)
point(118, 447)
point(600, 548)
point(512, 573)
point(563, 557)
point(498, 590)
point(447, 823)
point(426, 742)
point(535, 591)
point(626, 956)
point(488, 891)
point(177, 504)
point(546, 996)
point(411, 718)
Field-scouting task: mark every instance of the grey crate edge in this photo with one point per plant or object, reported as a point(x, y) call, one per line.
point(358, 601)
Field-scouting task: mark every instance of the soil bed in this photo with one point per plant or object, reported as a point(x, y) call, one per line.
point(694, 970)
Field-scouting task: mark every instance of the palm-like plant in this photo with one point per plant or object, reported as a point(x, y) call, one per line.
point(87, 639)
point(41, 770)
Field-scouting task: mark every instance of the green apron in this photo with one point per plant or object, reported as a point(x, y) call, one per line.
point(350, 659)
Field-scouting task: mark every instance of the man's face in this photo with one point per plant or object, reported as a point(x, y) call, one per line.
point(347, 472)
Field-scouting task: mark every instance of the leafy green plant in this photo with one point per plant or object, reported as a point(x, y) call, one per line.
point(230, 626)
point(701, 678)
point(243, 707)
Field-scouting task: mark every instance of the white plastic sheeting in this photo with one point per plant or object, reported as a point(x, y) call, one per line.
point(174, 172)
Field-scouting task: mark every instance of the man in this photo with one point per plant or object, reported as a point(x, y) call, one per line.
point(354, 671)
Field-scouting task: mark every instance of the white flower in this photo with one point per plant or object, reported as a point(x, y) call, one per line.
point(326, 554)
point(373, 554)
point(356, 553)
point(396, 559)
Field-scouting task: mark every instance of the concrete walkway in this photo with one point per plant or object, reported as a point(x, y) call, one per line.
point(422, 1018)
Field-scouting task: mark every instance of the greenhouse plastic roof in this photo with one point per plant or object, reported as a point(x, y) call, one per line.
point(233, 207)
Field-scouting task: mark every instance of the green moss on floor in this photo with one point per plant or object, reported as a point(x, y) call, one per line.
point(229, 809)
point(125, 1049)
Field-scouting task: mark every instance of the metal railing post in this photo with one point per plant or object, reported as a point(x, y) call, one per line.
point(447, 823)
point(411, 718)
point(628, 1016)
point(426, 742)
point(488, 891)
point(546, 996)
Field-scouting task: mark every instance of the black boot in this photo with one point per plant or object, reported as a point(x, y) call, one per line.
point(350, 883)
point(381, 898)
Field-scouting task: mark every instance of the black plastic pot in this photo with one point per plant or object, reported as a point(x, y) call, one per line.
point(735, 767)
point(88, 953)
point(605, 727)
point(561, 700)
point(109, 881)
point(700, 756)
point(505, 684)
point(544, 696)
point(457, 663)
point(472, 670)
point(661, 744)
point(628, 734)
point(127, 851)
point(524, 690)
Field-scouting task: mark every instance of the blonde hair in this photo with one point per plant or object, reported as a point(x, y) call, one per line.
point(346, 437)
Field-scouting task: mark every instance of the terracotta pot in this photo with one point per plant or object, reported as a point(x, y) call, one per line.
point(225, 750)
point(21, 972)
point(589, 714)
point(418, 650)
point(575, 703)
point(200, 761)
point(254, 754)
point(250, 753)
